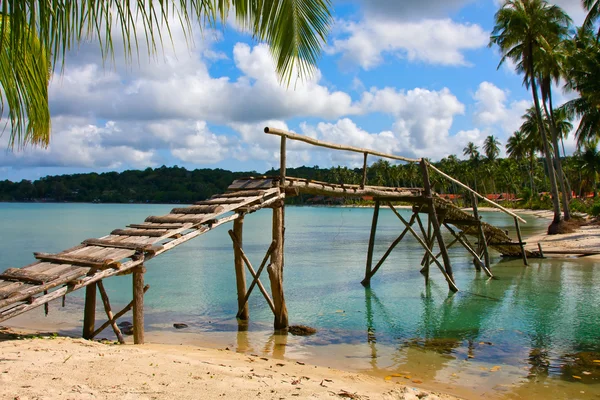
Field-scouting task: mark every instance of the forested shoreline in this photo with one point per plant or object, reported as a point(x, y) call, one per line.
point(516, 182)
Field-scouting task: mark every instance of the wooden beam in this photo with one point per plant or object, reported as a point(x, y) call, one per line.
point(476, 257)
point(251, 269)
point(275, 270)
point(118, 315)
point(436, 226)
point(367, 280)
point(364, 177)
point(482, 239)
point(138, 305)
point(89, 311)
point(521, 244)
point(256, 279)
point(92, 262)
point(149, 248)
point(109, 314)
point(459, 183)
point(451, 283)
point(240, 273)
point(282, 162)
point(315, 142)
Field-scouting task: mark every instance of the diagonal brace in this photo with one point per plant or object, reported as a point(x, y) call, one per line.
point(424, 245)
point(109, 314)
point(256, 280)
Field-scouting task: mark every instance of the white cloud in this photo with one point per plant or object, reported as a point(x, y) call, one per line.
point(493, 110)
point(398, 9)
point(440, 42)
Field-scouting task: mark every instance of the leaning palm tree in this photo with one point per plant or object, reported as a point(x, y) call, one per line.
point(295, 30)
point(522, 28)
point(593, 9)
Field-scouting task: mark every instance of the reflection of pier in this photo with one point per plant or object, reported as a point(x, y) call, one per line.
point(125, 251)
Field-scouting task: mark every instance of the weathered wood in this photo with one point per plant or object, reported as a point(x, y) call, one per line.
point(122, 245)
point(118, 315)
point(89, 311)
point(27, 276)
point(573, 252)
point(459, 183)
point(367, 280)
point(252, 272)
point(138, 305)
point(179, 218)
point(407, 194)
point(6, 291)
point(252, 184)
point(540, 249)
point(476, 257)
point(282, 162)
point(482, 239)
point(206, 209)
point(84, 261)
point(521, 244)
point(436, 226)
point(256, 278)
point(364, 177)
point(220, 201)
point(109, 313)
point(450, 281)
point(391, 248)
point(240, 272)
point(242, 193)
point(158, 226)
point(315, 142)
point(275, 270)
point(140, 232)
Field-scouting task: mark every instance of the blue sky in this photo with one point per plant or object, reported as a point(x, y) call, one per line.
point(410, 78)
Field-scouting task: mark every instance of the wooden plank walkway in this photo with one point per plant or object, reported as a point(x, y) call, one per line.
point(118, 253)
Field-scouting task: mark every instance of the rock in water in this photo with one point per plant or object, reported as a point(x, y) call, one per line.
point(180, 326)
point(301, 330)
point(127, 330)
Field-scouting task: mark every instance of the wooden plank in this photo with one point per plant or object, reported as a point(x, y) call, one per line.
point(121, 245)
point(27, 276)
point(139, 232)
point(210, 209)
point(79, 260)
point(221, 201)
point(9, 288)
point(180, 218)
point(245, 194)
point(157, 226)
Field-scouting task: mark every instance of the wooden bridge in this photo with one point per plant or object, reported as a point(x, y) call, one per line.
point(124, 251)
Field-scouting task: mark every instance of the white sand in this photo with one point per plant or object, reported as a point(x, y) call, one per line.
point(65, 368)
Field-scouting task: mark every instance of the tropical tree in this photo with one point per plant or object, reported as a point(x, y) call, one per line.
point(295, 30)
point(593, 8)
point(471, 150)
point(491, 147)
point(523, 30)
point(589, 165)
point(516, 146)
point(583, 70)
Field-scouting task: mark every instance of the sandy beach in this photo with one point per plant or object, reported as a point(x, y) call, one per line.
point(67, 368)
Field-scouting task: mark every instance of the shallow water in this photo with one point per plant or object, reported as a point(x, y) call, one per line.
point(532, 332)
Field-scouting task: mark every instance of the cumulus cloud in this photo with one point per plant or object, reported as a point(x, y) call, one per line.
point(395, 9)
point(494, 111)
point(440, 42)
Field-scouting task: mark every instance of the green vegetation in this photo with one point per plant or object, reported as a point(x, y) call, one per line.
point(517, 181)
point(31, 30)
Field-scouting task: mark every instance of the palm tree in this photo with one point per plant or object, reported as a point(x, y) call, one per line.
point(589, 165)
point(491, 147)
point(295, 30)
point(523, 29)
point(516, 146)
point(583, 70)
point(593, 8)
point(471, 150)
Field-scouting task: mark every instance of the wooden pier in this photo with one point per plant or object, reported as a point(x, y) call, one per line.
point(124, 251)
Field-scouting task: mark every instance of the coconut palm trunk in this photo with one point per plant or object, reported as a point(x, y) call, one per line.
point(557, 160)
point(547, 154)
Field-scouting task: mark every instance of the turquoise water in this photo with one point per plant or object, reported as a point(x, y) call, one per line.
point(540, 323)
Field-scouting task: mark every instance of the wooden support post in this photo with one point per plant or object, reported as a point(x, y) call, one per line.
point(89, 313)
point(240, 272)
point(482, 240)
point(118, 315)
point(109, 313)
point(364, 177)
point(523, 254)
point(436, 226)
point(540, 249)
point(476, 258)
point(367, 281)
point(282, 163)
point(138, 304)
point(275, 270)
